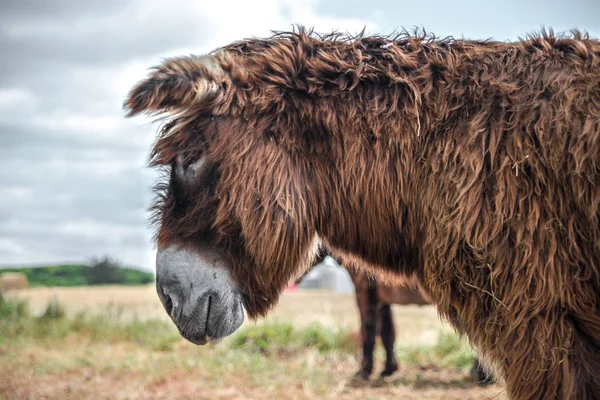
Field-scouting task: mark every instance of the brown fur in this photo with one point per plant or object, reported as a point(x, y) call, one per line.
point(472, 166)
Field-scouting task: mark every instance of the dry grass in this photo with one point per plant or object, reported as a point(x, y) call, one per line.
point(78, 366)
point(415, 325)
point(125, 371)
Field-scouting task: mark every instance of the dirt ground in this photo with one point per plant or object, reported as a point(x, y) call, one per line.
point(189, 385)
point(123, 371)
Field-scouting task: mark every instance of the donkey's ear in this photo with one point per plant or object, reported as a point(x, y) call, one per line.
point(178, 85)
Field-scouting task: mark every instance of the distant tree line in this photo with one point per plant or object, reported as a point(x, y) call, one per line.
point(104, 271)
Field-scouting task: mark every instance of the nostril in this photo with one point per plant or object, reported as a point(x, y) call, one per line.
point(169, 301)
point(208, 304)
point(210, 298)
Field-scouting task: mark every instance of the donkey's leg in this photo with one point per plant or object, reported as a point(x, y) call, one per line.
point(366, 297)
point(388, 337)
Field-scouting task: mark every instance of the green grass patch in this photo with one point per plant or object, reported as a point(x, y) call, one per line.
point(17, 324)
point(13, 309)
point(450, 351)
point(282, 337)
point(260, 341)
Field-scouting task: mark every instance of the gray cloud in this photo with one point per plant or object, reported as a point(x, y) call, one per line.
point(57, 10)
point(101, 42)
point(73, 208)
point(476, 19)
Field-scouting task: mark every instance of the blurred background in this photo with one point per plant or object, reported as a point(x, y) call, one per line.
point(80, 317)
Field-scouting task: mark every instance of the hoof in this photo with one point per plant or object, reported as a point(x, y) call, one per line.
point(362, 374)
point(388, 371)
point(391, 366)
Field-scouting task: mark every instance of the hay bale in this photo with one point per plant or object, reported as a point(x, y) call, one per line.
point(13, 280)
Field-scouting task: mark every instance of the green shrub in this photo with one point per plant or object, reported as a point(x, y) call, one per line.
point(264, 338)
point(11, 309)
point(449, 351)
point(16, 324)
point(282, 337)
point(54, 310)
point(104, 271)
point(315, 336)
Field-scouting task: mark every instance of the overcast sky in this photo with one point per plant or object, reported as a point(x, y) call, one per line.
point(72, 169)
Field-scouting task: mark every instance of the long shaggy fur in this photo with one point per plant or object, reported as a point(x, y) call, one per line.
point(472, 166)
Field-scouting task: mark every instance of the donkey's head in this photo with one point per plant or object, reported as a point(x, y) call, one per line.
point(234, 213)
point(270, 143)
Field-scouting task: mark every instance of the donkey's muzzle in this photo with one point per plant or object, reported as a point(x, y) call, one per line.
point(198, 294)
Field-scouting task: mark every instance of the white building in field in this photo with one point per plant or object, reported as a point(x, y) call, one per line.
point(328, 275)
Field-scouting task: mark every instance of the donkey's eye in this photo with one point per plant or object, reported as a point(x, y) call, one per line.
point(189, 172)
point(196, 167)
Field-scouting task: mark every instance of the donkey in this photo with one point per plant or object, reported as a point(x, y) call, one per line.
point(472, 167)
point(374, 300)
point(374, 305)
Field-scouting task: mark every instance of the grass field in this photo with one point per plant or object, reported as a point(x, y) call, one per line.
point(118, 343)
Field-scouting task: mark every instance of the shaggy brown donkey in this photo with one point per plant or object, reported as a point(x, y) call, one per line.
point(374, 302)
point(472, 167)
point(374, 307)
